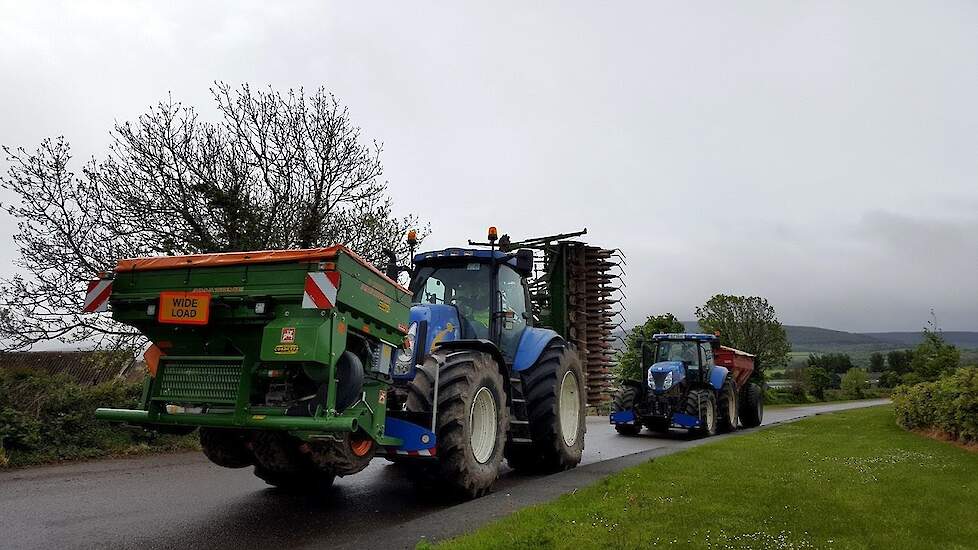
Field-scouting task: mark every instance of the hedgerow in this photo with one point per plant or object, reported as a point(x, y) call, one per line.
point(49, 418)
point(948, 404)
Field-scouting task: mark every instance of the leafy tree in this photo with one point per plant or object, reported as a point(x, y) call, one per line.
point(889, 379)
point(932, 358)
point(876, 362)
point(819, 380)
point(834, 363)
point(629, 362)
point(274, 171)
point(747, 323)
point(898, 361)
point(855, 383)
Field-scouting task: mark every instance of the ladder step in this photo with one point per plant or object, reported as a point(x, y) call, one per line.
point(518, 400)
point(521, 440)
point(521, 422)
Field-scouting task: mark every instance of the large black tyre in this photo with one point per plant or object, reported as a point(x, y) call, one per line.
point(727, 407)
point(703, 405)
point(555, 402)
point(470, 388)
point(280, 463)
point(751, 406)
point(227, 448)
point(624, 400)
point(347, 455)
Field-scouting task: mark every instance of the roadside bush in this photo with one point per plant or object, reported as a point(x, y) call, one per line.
point(855, 383)
point(45, 418)
point(949, 405)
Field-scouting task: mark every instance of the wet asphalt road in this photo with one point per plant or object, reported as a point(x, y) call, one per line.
point(182, 500)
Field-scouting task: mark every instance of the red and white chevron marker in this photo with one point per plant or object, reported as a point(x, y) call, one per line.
point(97, 296)
point(320, 289)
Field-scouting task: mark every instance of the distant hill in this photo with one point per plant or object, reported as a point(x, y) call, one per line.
point(804, 338)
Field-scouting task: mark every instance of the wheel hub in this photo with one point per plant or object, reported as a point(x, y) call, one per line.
point(482, 423)
point(570, 408)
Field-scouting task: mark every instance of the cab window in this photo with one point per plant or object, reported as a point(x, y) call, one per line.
point(512, 309)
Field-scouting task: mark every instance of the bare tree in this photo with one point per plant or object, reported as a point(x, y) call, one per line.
point(277, 171)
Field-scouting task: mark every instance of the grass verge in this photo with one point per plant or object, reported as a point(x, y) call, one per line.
point(846, 480)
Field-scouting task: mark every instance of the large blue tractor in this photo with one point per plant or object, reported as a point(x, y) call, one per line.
point(490, 384)
point(691, 382)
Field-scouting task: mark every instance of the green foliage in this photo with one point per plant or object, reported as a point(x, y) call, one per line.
point(855, 383)
point(948, 404)
point(834, 363)
point(876, 362)
point(750, 324)
point(629, 363)
point(819, 380)
point(845, 480)
point(898, 361)
point(47, 418)
point(934, 357)
point(889, 379)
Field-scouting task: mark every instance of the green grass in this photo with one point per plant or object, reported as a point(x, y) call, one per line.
point(845, 480)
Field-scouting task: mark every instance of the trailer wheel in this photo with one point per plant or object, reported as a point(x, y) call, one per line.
point(727, 406)
point(348, 455)
point(472, 418)
point(227, 448)
point(280, 463)
point(703, 405)
point(555, 402)
point(624, 400)
point(751, 406)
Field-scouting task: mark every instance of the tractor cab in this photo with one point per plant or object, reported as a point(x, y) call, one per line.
point(672, 359)
point(467, 294)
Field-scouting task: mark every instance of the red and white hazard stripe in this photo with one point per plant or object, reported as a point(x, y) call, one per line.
point(320, 290)
point(422, 452)
point(97, 296)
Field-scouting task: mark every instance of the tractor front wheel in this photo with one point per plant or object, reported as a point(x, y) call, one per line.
point(472, 417)
point(703, 405)
point(624, 400)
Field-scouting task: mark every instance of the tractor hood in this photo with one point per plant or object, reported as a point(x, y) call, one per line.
point(442, 324)
point(665, 374)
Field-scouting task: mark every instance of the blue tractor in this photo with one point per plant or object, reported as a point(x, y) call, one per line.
point(691, 382)
point(488, 383)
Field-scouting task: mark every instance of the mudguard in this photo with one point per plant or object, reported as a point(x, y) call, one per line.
point(531, 346)
point(481, 345)
point(717, 376)
point(443, 325)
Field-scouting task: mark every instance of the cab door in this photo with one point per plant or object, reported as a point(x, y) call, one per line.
point(513, 311)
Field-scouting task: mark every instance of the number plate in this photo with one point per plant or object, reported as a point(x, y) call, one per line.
point(184, 308)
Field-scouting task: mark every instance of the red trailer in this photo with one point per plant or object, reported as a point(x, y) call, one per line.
point(740, 363)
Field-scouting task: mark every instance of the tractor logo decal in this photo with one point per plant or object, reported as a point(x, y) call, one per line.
point(286, 349)
point(288, 335)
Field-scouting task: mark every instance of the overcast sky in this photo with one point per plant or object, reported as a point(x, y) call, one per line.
point(823, 155)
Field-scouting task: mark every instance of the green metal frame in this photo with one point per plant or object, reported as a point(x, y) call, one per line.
point(368, 305)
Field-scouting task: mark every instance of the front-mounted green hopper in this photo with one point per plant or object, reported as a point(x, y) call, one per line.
point(262, 348)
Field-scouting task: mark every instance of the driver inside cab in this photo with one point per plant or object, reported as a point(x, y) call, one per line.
point(473, 303)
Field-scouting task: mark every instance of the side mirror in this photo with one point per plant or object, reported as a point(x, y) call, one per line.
point(524, 261)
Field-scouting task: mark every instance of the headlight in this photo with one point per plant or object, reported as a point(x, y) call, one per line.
point(667, 382)
point(405, 357)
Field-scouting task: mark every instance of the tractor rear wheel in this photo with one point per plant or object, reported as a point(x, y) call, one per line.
point(727, 405)
point(624, 400)
point(472, 418)
point(703, 405)
point(752, 406)
point(554, 391)
point(227, 448)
